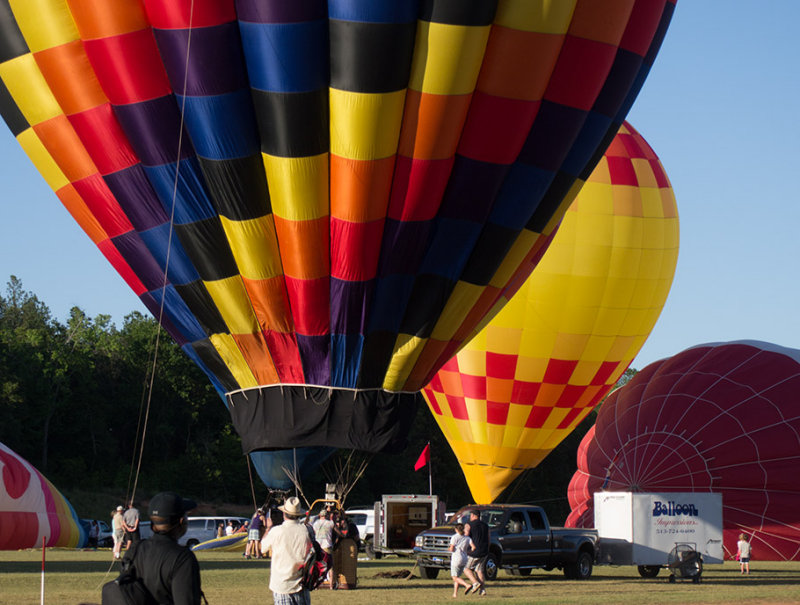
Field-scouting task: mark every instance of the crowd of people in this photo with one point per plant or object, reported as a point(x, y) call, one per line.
point(171, 573)
point(287, 541)
point(329, 528)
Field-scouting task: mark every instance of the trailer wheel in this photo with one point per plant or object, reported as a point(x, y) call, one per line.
point(428, 573)
point(581, 569)
point(649, 571)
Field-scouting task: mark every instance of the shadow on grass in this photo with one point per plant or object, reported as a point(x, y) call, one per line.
point(59, 567)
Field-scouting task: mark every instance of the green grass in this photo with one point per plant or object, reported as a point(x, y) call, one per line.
point(73, 577)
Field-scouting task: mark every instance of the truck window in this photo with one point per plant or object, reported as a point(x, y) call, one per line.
point(537, 521)
point(492, 518)
point(516, 523)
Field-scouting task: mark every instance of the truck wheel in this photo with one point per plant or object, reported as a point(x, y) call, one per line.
point(580, 569)
point(428, 573)
point(649, 571)
point(491, 567)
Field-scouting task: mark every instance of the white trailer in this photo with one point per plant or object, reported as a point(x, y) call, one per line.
point(642, 529)
point(400, 517)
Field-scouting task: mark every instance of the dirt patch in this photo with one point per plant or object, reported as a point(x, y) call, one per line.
point(402, 574)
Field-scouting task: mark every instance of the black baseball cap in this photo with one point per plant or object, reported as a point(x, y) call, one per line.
point(170, 504)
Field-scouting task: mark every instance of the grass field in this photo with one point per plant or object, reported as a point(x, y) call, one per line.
point(73, 577)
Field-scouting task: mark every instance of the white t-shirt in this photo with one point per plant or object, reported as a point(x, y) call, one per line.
point(323, 530)
point(461, 545)
point(289, 543)
point(744, 548)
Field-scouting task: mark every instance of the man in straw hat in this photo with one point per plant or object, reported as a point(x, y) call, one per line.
point(288, 545)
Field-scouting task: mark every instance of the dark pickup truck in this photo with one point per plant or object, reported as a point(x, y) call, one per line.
point(520, 539)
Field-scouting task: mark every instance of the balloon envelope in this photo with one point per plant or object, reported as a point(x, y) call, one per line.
point(271, 466)
point(320, 200)
point(721, 418)
point(553, 352)
point(31, 508)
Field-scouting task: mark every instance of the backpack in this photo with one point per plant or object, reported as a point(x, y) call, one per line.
point(314, 567)
point(127, 588)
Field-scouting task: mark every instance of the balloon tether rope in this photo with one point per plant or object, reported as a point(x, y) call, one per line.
point(166, 262)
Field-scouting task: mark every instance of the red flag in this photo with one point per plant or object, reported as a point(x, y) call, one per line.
point(424, 457)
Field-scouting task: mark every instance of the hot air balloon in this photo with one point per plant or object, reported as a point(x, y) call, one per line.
point(31, 508)
point(721, 417)
point(320, 200)
point(272, 466)
point(553, 352)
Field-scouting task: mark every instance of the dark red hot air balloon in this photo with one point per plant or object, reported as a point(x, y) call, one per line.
point(715, 418)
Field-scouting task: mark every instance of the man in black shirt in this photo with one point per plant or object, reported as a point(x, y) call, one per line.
point(168, 570)
point(476, 557)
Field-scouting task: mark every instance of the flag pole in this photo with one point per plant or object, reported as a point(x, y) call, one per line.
point(430, 470)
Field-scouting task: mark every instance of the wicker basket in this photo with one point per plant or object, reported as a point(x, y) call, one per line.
point(345, 564)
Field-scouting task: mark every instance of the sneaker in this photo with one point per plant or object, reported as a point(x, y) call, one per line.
point(482, 592)
point(473, 588)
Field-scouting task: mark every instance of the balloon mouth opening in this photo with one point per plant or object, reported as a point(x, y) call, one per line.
point(286, 416)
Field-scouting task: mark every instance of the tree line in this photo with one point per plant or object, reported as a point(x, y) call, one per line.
point(84, 402)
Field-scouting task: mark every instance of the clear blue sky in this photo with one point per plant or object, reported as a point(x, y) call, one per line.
point(720, 108)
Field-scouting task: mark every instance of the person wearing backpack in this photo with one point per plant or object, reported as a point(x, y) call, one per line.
point(169, 571)
point(288, 544)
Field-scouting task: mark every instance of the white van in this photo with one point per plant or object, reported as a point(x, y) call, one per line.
point(364, 520)
point(200, 529)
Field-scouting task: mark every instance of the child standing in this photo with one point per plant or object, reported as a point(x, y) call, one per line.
point(743, 553)
point(459, 545)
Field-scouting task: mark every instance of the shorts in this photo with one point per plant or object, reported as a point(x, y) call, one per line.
point(133, 536)
point(457, 565)
point(254, 534)
point(477, 564)
point(302, 597)
point(744, 559)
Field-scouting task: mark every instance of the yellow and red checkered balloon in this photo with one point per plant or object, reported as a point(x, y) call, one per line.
point(563, 340)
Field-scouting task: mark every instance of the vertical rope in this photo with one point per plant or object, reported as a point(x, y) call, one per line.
point(169, 248)
point(252, 487)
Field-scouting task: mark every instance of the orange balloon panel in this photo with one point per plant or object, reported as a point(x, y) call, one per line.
point(564, 339)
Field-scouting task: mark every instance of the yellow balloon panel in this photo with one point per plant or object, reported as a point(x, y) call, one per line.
point(522, 384)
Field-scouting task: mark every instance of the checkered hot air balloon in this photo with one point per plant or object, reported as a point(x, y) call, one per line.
point(325, 198)
point(565, 338)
